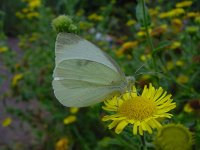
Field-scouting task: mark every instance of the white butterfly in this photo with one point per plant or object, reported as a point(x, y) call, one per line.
point(84, 74)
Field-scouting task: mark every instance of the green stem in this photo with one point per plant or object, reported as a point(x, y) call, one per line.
point(80, 138)
point(147, 33)
point(142, 138)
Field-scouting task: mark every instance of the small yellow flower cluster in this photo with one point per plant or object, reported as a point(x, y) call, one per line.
point(126, 46)
point(95, 17)
point(172, 13)
point(171, 65)
point(182, 79)
point(16, 79)
point(175, 45)
point(192, 106)
point(145, 57)
point(6, 122)
point(177, 25)
point(159, 30)
point(130, 22)
point(3, 49)
point(34, 37)
point(85, 25)
point(154, 12)
point(71, 118)
point(192, 29)
point(31, 11)
point(62, 144)
point(184, 4)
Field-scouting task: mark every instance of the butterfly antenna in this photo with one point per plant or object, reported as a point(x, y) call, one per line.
point(149, 73)
point(139, 69)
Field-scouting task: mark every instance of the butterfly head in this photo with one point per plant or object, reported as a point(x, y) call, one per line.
point(130, 81)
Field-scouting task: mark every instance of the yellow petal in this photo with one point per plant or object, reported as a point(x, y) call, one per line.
point(113, 124)
point(163, 95)
point(134, 92)
point(121, 126)
point(145, 90)
point(158, 125)
point(135, 127)
point(140, 130)
point(158, 93)
point(148, 128)
point(162, 99)
point(109, 117)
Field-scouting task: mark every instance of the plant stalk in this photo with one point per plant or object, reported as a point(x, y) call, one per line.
point(147, 33)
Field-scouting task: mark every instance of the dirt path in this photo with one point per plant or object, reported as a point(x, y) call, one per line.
point(18, 135)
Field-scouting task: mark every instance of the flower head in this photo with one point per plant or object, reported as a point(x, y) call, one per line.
point(16, 79)
point(64, 23)
point(174, 136)
point(141, 111)
point(6, 122)
point(70, 119)
point(62, 144)
point(184, 4)
point(3, 49)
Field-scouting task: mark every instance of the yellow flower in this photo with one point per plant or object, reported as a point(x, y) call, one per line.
point(175, 45)
point(192, 29)
point(6, 122)
point(179, 63)
point(182, 79)
point(3, 49)
point(141, 34)
point(16, 79)
point(70, 119)
point(62, 144)
point(154, 11)
point(164, 15)
point(172, 13)
point(159, 30)
point(192, 106)
point(141, 111)
point(85, 25)
point(145, 57)
point(126, 46)
point(197, 19)
point(95, 17)
point(177, 25)
point(33, 15)
point(34, 4)
point(131, 22)
point(25, 10)
point(34, 37)
point(174, 136)
point(187, 108)
point(80, 12)
point(19, 15)
point(192, 14)
point(74, 110)
point(184, 4)
point(170, 65)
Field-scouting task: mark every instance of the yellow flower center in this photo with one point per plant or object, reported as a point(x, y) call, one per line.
point(137, 108)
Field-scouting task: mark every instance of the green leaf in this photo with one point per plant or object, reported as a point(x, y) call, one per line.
point(140, 14)
point(160, 46)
